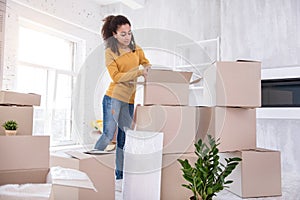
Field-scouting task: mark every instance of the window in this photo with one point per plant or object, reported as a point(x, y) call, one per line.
point(46, 67)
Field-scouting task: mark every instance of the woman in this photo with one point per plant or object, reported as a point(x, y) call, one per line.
point(123, 58)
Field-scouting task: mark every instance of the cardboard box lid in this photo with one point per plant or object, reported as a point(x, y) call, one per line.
point(169, 76)
point(17, 98)
point(254, 150)
point(258, 150)
point(238, 61)
point(69, 177)
point(242, 60)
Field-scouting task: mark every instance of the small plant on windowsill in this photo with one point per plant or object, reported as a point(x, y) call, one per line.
point(10, 127)
point(207, 176)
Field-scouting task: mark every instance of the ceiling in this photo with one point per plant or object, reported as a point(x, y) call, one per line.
point(106, 2)
point(134, 4)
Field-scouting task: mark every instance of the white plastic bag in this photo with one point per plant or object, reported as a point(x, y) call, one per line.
point(142, 165)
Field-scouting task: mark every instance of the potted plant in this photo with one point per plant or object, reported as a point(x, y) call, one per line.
point(10, 127)
point(207, 176)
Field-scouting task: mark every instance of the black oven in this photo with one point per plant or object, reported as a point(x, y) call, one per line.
point(280, 92)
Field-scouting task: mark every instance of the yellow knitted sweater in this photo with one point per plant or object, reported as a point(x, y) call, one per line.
point(123, 69)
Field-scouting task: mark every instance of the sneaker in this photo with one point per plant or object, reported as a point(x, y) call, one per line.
point(110, 147)
point(118, 195)
point(118, 185)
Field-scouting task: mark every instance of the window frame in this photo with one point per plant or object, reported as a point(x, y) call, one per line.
point(72, 73)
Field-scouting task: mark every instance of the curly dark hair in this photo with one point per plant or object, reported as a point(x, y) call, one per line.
point(110, 26)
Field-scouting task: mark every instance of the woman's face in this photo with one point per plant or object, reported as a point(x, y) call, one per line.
point(123, 35)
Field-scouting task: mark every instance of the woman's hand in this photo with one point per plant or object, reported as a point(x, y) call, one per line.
point(145, 71)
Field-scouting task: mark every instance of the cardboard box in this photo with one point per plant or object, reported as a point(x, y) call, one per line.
point(178, 123)
point(258, 175)
point(25, 160)
point(172, 179)
point(235, 127)
point(23, 115)
point(24, 153)
point(22, 99)
point(100, 169)
point(40, 183)
point(236, 84)
point(23, 176)
point(166, 87)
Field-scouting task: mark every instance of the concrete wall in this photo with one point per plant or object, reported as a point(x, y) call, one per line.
point(265, 30)
point(196, 19)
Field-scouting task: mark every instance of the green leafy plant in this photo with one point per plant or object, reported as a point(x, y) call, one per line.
point(10, 125)
point(207, 176)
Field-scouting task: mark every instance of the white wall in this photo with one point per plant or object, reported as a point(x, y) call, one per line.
point(196, 19)
point(265, 30)
point(76, 18)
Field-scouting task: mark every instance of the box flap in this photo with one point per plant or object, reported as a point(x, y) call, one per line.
point(75, 183)
point(79, 155)
point(23, 176)
point(69, 177)
point(263, 150)
point(155, 75)
point(252, 150)
point(242, 60)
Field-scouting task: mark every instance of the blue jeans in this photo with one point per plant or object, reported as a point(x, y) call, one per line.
point(116, 114)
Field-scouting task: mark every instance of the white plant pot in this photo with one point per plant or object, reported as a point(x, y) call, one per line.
point(10, 132)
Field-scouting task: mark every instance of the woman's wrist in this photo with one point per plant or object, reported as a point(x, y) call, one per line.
point(140, 72)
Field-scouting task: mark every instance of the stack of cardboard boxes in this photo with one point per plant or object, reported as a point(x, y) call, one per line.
point(231, 92)
point(234, 90)
point(166, 110)
point(24, 158)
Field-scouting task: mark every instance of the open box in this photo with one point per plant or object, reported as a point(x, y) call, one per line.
point(100, 169)
point(167, 87)
point(39, 184)
point(25, 161)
